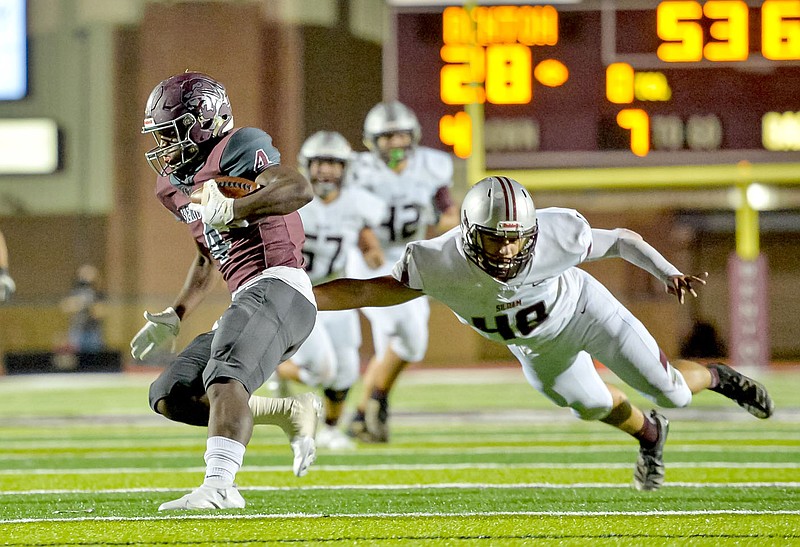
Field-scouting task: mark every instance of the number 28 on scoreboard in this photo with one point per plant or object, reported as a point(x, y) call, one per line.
point(487, 55)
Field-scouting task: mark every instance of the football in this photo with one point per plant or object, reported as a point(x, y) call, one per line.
point(231, 187)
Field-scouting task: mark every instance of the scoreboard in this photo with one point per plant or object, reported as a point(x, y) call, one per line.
point(605, 83)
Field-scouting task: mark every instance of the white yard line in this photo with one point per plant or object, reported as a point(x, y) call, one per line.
point(194, 515)
point(361, 451)
point(402, 467)
point(437, 486)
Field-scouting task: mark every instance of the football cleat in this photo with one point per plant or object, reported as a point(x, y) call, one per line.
point(649, 471)
point(376, 418)
point(746, 392)
point(206, 497)
point(358, 429)
point(306, 412)
point(334, 439)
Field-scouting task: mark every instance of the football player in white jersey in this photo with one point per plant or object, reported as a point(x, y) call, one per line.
point(335, 221)
point(510, 273)
point(415, 182)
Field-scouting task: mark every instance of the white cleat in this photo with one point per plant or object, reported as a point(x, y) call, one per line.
point(206, 497)
point(334, 439)
point(306, 413)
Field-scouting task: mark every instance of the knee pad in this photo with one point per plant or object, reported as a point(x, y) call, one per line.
point(590, 413)
point(619, 414)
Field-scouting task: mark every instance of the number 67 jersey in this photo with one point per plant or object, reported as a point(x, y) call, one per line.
point(537, 303)
point(332, 230)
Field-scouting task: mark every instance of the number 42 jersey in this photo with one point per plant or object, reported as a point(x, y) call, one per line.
point(537, 303)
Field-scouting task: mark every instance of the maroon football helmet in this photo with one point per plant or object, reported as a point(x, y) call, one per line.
point(183, 112)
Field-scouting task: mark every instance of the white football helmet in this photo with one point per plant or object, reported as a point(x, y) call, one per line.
point(390, 117)
point(495, 212)
point(324, 145)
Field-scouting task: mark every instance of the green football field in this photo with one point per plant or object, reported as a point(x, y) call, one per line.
point(477, 457)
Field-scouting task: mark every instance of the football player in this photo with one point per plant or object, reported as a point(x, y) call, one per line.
point(414, 181)
point(255, 242)
point(7, 285)
point(510, 273)
point(337, 219)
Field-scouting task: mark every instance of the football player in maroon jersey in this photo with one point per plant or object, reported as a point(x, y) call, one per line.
point(255, 242)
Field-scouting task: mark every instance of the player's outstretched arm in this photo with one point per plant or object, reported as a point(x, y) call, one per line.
point(346, 293)
point(284, 190)
point(631, 247)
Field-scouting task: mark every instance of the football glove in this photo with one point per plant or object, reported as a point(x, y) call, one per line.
point(215, 209)
point(158, 336)
point(7, 285)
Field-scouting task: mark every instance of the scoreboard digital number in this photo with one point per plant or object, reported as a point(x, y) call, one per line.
point(607, 84)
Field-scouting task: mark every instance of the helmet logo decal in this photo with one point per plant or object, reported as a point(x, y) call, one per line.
point(203, 97)
point(510, 226)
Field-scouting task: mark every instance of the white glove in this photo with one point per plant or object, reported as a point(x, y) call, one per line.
point(7, 286)
point(157, 336)
point(215, 209)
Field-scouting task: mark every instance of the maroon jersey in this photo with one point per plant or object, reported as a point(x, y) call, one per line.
point(241, 253)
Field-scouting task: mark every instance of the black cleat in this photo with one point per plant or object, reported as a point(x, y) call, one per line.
point(358, 430)
point(748, 394)
point(377, 420)
point(649, 471)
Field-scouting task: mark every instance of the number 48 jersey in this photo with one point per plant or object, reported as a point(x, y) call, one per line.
point(537, 303)
point(332, 230)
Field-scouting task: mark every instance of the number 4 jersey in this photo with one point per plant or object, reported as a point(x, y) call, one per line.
point(536, 303)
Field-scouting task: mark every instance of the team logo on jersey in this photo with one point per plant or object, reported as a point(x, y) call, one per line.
point(262, 161)
point(509, 305)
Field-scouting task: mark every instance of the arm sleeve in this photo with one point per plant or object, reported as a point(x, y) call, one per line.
point(406, 272)
point(249, 152)
point(630, 246)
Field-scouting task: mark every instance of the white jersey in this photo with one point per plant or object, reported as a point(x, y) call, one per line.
point(555, 318)
point(535, 303)
point(409, 196)
point(329, 356)
point(332, 230)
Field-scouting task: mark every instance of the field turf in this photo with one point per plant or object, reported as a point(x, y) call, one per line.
point(477, 457)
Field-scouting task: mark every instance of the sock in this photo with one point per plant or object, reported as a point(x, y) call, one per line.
point(379, 394)
point(714, 377)
point(648, 435)
point(223, 459)
point(359, 415)
point(331, 422)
